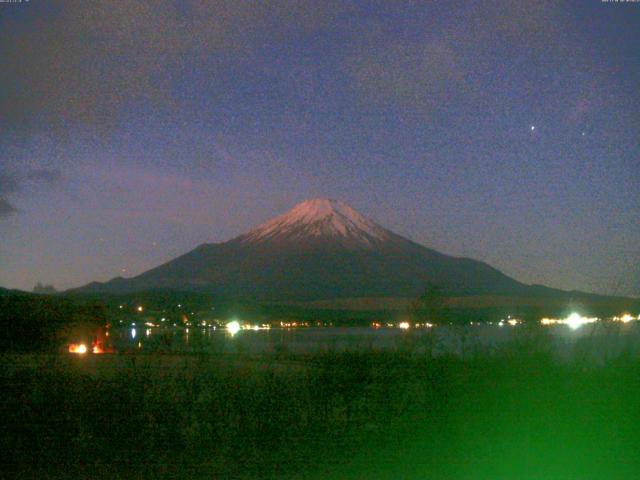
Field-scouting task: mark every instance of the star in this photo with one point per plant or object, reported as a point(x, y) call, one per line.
point(533, 127)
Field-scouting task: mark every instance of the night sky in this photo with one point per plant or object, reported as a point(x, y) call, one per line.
point(507, 131)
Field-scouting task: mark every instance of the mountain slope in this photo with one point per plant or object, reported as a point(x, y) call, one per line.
point(320, 249)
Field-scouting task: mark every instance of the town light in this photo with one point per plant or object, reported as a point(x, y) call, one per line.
point(233, 327)
point(550, 321)
point(575, 321)
point(626, 318)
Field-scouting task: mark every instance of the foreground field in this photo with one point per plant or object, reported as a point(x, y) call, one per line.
point(516, 413)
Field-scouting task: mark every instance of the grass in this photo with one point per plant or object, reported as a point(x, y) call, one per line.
point(514, 413)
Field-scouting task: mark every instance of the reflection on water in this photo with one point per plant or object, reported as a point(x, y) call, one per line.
point(599, 339)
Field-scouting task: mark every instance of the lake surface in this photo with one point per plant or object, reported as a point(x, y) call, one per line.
point(599, 340)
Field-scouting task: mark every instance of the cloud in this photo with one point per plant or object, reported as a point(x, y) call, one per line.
point(12, 183)
point(8, 185)
point(74, 62)
point(440, 59)
point(409, 75)
point(44, 175)
point(521, 19)
point(6, 208)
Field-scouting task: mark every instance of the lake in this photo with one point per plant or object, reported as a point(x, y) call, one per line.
point(598, 340)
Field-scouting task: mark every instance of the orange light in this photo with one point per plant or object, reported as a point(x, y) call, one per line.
point(77, 348)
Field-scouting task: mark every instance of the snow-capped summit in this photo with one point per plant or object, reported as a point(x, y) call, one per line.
point(320, 218)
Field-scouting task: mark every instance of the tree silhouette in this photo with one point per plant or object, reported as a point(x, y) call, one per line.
point(44, 289)
point(429, 306)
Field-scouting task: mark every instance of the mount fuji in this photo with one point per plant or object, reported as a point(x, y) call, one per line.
point(320, 249)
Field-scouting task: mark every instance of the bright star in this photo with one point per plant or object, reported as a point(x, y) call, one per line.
point(533, 127)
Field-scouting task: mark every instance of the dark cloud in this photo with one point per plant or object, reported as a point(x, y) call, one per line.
point(8, 185)
point(6, 208)
point(11, 183)
point(441, 62)
point(76, 62)
point(43, 174)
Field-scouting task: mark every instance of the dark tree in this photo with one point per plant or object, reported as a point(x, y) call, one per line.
point(429, 306)
point(44, 289)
